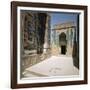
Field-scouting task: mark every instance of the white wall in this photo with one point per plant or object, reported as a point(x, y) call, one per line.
point(5, 44)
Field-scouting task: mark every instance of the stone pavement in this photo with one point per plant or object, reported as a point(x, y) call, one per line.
point(54, 66)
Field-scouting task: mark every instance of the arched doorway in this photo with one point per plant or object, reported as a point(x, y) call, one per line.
point(63, 43)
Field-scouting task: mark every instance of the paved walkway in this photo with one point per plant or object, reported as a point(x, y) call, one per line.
point(53, 66)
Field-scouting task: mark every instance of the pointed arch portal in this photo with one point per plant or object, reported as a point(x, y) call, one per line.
point(62, 43)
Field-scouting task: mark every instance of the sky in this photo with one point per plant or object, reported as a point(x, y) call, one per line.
point(57, 18)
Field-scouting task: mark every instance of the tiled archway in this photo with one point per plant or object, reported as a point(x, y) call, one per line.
point(62, 43)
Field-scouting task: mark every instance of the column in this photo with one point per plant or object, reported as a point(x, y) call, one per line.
point(46, 38)
point(68, 43)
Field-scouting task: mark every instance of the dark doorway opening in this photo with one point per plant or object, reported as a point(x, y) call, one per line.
point(63, 49)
